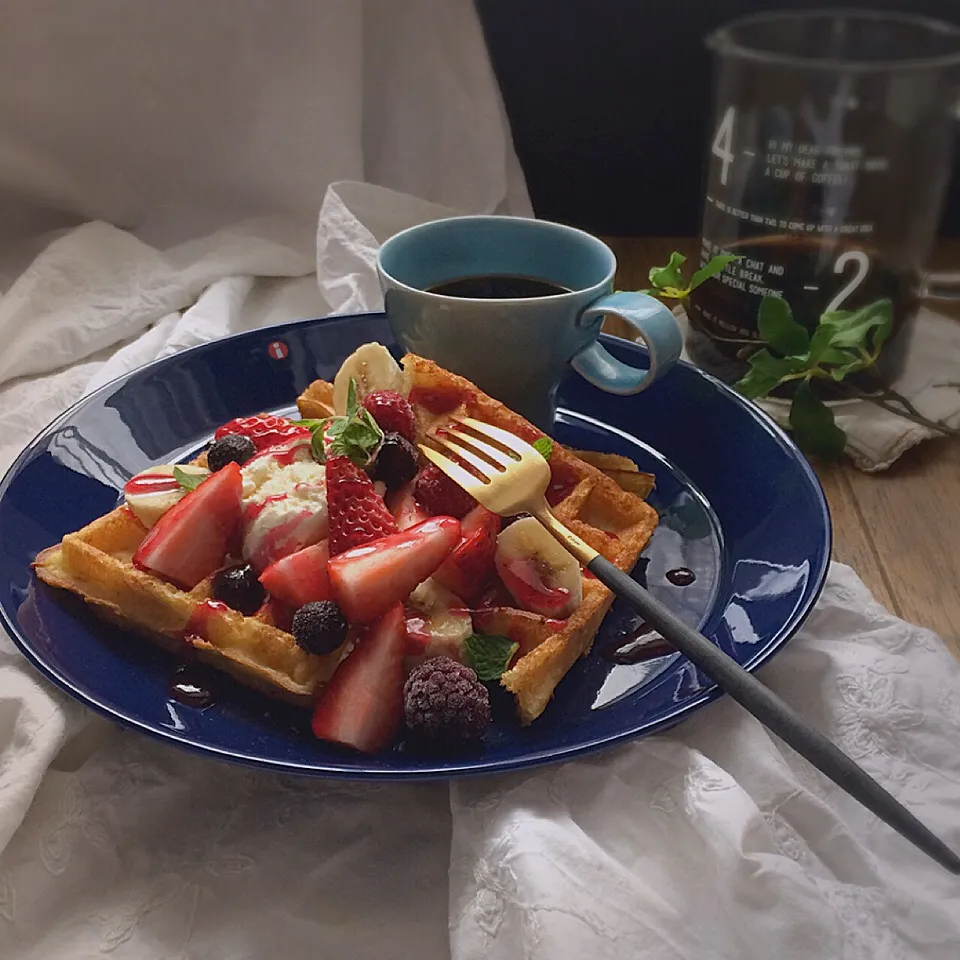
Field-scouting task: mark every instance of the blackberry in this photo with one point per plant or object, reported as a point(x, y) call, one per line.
point(445, 705)
point(396, 461)
point(232, 448)
point(319, 626)
point(239, 588)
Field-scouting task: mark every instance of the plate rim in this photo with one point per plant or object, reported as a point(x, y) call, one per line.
point(426, 770)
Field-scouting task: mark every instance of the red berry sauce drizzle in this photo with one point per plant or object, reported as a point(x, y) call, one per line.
point(190, 684)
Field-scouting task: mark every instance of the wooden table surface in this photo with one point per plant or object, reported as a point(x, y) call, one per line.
point(900, 529)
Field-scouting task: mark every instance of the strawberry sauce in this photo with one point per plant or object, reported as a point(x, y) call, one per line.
point(144, 483)
point(437, 400)
point(199, 622)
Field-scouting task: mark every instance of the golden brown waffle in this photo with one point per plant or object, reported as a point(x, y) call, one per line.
point(96, 563)
point(613, 520)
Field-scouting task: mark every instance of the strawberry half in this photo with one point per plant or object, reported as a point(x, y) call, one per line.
point(191, 540)
point(362, 705)
point(357, 512)
point(404, 507)
point(301, 577)
point(470, 567)
point(368, 580)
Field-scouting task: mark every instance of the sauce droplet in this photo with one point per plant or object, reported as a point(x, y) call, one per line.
point(200, 619)
point(681, 577)
point(188, 687)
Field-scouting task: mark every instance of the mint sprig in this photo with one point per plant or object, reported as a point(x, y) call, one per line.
point(189, 481)
point(543, 446)
point(489, 654)
point(356, 435)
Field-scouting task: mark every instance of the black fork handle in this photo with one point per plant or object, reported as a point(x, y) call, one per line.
point(776, 715)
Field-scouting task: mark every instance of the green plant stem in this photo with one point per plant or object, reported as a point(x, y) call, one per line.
point(886, 400)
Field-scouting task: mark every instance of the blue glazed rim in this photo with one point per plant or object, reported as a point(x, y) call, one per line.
point(425, 769)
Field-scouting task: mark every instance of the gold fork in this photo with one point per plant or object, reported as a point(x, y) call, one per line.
point(508, 476)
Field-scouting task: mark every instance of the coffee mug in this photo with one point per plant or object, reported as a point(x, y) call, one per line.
point(509, 302)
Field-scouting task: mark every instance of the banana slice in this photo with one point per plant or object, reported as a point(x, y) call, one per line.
point(437, 623)
point(542, 577)
point(153, 492)
point(373, 368)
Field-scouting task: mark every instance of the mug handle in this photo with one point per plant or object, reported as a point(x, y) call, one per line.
point(658, 329)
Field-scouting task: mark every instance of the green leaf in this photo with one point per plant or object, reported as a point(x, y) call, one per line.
point(716, 266)
point(670, 275)
point(189, 481)
point(356, 438)
point(853, 328)
point(311, 425)
point(780, 330)
point(543, 446)
point(766, 372)
point(489, 654)
point(814, 427)
point(352, 403)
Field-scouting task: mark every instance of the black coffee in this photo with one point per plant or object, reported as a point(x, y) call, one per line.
point(723, 312)
point(495, 286)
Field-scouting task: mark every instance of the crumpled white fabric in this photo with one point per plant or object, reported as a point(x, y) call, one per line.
point(709, 841)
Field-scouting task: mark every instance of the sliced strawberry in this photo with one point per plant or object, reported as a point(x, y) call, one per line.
point(404, 507)
point(300, 578)
point(368, 580)
point(470, 567)
point(358, 514)
point(190, 541)
point(362, 705)
point(263, 429)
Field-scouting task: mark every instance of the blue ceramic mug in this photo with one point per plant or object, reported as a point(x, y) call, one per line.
point(509, 303)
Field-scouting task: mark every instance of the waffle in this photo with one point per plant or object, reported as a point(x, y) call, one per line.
point(590, 501)
point(96, 564)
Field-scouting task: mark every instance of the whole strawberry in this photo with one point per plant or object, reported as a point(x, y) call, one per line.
point(357, 512)
point(393, 413)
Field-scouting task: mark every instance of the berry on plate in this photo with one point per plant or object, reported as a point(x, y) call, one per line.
point(319, 627)
point(300, 577)
point(470, 567)
point(441, 496)
point(445, 705)
point(230, 448)
point(393, 413)
point(239, 589)
point(396, 461)
point(190, 541)
point(357, 512)
point(368, 580)
point(362, 706)
point(264, 430)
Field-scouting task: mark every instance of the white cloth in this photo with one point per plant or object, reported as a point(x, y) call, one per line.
point(710, 842)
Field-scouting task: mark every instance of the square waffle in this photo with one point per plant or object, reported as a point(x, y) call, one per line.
point(601, 501)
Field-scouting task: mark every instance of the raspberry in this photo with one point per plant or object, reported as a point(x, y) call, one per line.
point(264, 430)
point(393, 413)
point(358, 514)
point(445, 705)
point(441, 496)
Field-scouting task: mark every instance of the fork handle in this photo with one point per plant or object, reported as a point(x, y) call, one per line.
point(776, 715)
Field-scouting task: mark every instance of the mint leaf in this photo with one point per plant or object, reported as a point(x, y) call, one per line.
point(715, 266)
point(352, 403)
point(780, 330)
point(489, 654)
point(814, 427)
point(670, 275)
point(189, 481)
point(355, 439)
point(311, 425)
point(766, 372)
point(543, 446)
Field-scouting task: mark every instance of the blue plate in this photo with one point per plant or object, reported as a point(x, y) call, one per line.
point(739, 507)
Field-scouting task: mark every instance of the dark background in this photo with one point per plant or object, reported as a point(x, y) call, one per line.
point(609, 101)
